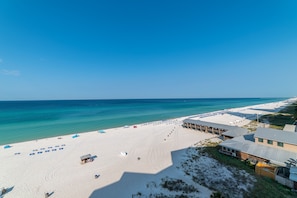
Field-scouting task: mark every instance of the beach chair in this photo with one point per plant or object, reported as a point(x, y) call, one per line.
point(97, 176)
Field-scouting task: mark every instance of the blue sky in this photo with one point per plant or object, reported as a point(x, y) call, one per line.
point(147, 49)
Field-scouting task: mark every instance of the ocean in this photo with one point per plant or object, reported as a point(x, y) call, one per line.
point(30, 120)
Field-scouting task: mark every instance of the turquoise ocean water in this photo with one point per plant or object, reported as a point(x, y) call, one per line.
point(29, 120)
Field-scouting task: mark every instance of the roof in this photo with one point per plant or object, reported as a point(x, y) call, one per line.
point(84, 157)
point(235, 132)
point(277, 135)
point(231, 131)
point(290, 127)
point(246, 144)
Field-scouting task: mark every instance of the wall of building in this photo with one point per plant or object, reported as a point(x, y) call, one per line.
point(284, 181)
point(228, 151)
point(246, 156)
point(288, 147)
point(241, 155)
point(206, 129)
point(225, 137)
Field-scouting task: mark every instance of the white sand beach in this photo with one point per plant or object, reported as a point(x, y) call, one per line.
point(55, 166)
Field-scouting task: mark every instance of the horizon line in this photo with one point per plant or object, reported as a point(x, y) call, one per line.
point(24, 100)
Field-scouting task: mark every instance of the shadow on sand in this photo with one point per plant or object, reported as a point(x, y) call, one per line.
point(131, 182)
point(6, 191)
point(49, 194)
point(268, 110)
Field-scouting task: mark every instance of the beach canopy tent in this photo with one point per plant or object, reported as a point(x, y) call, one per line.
point(124, 153)
point(75, 136)
point(6, 146)
point(86, 158)
point(101, 131)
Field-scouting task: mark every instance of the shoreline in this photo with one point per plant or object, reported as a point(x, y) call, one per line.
point(202, 115)
point(148, 150)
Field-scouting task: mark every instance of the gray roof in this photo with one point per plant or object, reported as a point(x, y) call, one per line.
point(236, 132)
point(277, 135)
point(85, 157)
point(232, 131)
point(246, 145)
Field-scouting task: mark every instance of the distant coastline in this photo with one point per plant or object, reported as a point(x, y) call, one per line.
point(29, 120)
point(116, 99)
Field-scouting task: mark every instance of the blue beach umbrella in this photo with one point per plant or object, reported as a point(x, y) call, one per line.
point(6, 146)
point(101, 131)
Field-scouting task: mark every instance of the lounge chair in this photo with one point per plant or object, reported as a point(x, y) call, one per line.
point(97, 176)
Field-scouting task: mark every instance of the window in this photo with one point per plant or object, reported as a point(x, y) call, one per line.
point(280, 144)
point(269, 142)
point(260, 139)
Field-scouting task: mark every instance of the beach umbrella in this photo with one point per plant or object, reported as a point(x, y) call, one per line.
point(7, 146)
point(101, 131)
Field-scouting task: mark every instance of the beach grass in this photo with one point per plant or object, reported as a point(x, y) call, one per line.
point(288, 115)
point(264, 187)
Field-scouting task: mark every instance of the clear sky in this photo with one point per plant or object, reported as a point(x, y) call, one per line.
point(147, 49)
